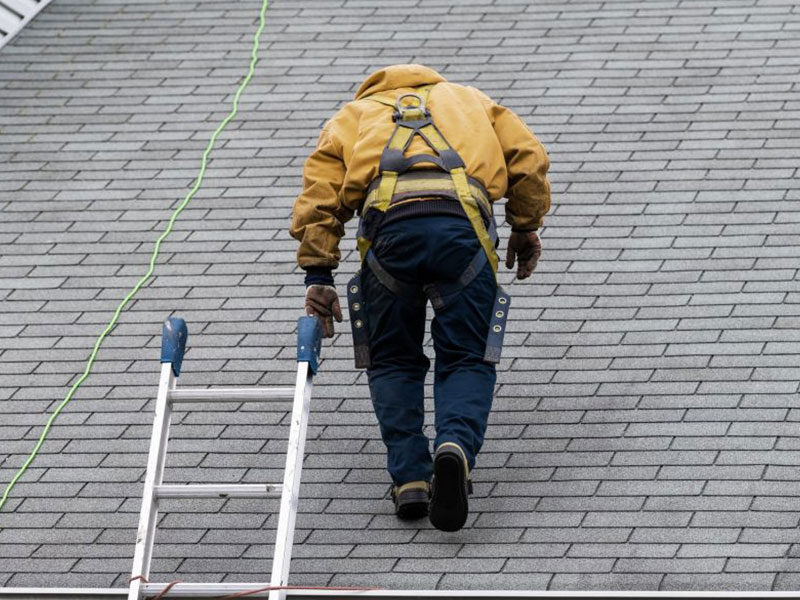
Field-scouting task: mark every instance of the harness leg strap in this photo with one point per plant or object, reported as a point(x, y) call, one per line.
point(409, 292)
point(358, 322)
point(440, 293)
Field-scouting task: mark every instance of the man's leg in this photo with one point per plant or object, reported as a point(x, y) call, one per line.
point(399, 366)
point(463, 382)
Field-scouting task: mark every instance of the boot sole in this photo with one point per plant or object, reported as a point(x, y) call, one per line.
point(449, 507)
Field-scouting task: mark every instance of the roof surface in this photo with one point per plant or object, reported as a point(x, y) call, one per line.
point(645, 428)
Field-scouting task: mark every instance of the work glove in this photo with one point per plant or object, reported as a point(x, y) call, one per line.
point(527, 248)
point(323, 302)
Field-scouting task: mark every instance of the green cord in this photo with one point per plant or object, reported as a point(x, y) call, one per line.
point(143, 280)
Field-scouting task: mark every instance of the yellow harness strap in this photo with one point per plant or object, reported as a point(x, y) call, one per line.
point(405, 116)
point(401, 137)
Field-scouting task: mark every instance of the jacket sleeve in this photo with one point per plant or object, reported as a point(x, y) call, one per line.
point(319, 216)
point(527, 164)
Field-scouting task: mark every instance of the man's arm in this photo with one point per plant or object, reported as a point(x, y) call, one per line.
point(527, 164)
point(318, 217)
point(528, 187)
point(318, 224)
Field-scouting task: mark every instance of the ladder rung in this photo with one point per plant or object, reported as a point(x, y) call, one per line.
point(264, 394)
point(204, 590)
point(257, 490)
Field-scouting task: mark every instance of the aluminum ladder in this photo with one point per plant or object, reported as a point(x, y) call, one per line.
point(15, 14)
point(173, 345)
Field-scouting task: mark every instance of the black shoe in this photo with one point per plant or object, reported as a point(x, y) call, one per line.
point(450, 487)
point(411, 500)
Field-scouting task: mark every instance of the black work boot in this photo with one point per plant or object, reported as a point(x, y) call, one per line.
point(411, 500)
point(450, 487)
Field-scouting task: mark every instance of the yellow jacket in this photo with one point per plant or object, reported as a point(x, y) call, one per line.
point(497, 148)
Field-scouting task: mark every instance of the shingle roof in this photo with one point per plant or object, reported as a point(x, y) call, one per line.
point(645, 428)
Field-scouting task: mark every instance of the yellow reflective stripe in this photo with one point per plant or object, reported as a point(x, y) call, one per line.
point(470, 206)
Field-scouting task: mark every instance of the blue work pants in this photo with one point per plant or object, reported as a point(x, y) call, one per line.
point(422, 250)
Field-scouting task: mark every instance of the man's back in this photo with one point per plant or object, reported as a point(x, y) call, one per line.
point(497, 148)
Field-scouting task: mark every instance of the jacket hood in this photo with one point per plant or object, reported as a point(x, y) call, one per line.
point(397, 76)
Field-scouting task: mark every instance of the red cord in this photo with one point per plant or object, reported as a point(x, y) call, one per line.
point(163, 593)
point(297, 587)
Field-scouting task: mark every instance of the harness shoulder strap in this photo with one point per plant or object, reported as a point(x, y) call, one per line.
point(408, 291)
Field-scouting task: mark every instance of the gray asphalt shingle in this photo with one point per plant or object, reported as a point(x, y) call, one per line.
point(644, 428)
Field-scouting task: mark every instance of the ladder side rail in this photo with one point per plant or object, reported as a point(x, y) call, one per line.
point(173, 345)
point(309, 345)
point(291, 480)
point(156, 460)
point(29, 10)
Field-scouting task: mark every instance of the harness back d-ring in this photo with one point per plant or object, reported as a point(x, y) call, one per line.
point(400, 108)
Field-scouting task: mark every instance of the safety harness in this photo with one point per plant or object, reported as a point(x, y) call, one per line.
point(396, 185)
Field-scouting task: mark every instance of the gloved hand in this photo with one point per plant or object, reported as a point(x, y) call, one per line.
point(323, 302)
point(527, 247)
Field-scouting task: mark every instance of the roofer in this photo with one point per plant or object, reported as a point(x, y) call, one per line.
point(422, 160)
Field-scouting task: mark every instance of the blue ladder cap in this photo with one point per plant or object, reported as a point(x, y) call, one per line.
point(309, 341)
point(173, 343)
